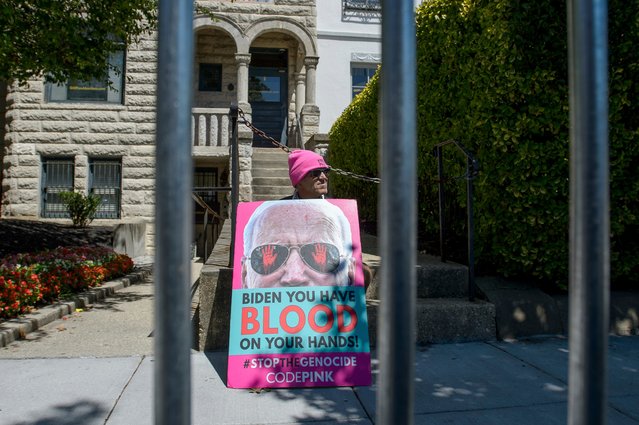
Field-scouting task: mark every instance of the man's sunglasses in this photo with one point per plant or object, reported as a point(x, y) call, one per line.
point(318, 172)
point(320, 256)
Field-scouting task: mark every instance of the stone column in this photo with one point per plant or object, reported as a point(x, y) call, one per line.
point(310, 62)
point(242, 61)
point(300, 95)
point(245, 136)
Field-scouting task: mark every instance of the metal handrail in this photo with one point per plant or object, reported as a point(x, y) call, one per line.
point(208, 210)
point(472, 169)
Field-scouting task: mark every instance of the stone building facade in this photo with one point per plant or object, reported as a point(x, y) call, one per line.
point(262, 55)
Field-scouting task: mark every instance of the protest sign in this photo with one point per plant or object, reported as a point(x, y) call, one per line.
point(298, 311)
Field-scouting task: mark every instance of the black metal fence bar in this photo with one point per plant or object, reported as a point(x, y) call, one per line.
point(442, 218)
point(472, 168)
point(589, 206)
point(398, 209)
point(471, 165)
point(235, 177)
point(172, 386)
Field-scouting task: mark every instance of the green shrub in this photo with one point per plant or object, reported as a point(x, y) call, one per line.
point(353, 147)
point(82, 209)
point(493, 75)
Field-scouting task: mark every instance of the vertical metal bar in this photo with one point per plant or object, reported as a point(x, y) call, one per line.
point(442, 219)
point(173, 214)
point(398, 152)
point(471, 229)
point(589, 206)
point(235, 177)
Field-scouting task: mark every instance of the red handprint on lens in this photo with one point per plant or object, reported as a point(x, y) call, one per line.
point(268, 257)
point(319, 255)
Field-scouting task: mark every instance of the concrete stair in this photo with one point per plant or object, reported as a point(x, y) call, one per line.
point(270, 174)
point(443, 311)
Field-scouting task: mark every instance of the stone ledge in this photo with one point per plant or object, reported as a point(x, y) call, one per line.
point(15, 329)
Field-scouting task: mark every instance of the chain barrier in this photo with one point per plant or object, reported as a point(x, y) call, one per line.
point(286, 149)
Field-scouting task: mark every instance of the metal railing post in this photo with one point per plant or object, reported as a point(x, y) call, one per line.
point(173, 215)
point(470, 175)
point(442, 219)
point(398, 192)
point(589, 211)
point(235, 177)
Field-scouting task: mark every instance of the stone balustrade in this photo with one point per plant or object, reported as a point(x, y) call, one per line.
point(210, 127)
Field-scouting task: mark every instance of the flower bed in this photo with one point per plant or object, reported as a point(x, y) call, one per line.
point(27, 280)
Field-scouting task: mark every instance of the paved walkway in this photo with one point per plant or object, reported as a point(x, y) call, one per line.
point(96, 367)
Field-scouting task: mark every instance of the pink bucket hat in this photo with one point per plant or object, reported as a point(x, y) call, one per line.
point(300, 162)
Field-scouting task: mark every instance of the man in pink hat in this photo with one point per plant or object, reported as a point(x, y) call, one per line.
point(309, 175)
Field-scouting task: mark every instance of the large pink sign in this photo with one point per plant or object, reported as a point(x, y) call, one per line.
point(298, 311)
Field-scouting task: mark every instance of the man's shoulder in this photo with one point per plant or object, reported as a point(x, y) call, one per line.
point(286, 198)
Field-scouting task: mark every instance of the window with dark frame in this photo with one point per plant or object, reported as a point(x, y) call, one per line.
point(360, 76)
point(57, 177)
point(210, 77)
point(95, 90)
point(105, 181)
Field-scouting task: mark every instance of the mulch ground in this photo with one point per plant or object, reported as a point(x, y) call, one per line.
point(21, 236)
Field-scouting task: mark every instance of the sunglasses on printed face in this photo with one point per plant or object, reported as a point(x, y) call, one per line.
point(318, 172)
point(320, 256)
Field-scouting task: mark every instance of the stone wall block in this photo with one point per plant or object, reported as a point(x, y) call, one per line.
point(136, 139)
point(137, 117)
point(25, 126)
point(142, 67)
point(142, 150)
point(64, 126)
point(113, 128)
point(140, 89)
point(138, 211)
point(29, 160)
point(24, 149)
point(28, 197)
point(245, 193)
point(143, 78)
point(141, 100)
point(141, 173)
point(26, 97)
point(145, 128)
point(138, 184)
point(106, 151)
point(94, 138)
point(142, 55)
point(93, 116)
point(42, 138)
point(138, 161)
point(22, 210)
point(28, 183)
point(59, 150)
point(21, 172)
point(138, 197)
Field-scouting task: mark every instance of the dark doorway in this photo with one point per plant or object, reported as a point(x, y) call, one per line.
point(268, 93)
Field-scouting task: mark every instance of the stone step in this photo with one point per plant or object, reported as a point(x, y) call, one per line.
point(272, 190)
point(444, 320)
point(440, 280)
point(268, 163)
point(284, 181)
point(270, 172)
point(269, 153)
point(434, 278)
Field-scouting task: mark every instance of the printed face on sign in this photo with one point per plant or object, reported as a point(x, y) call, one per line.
point(297, 243)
